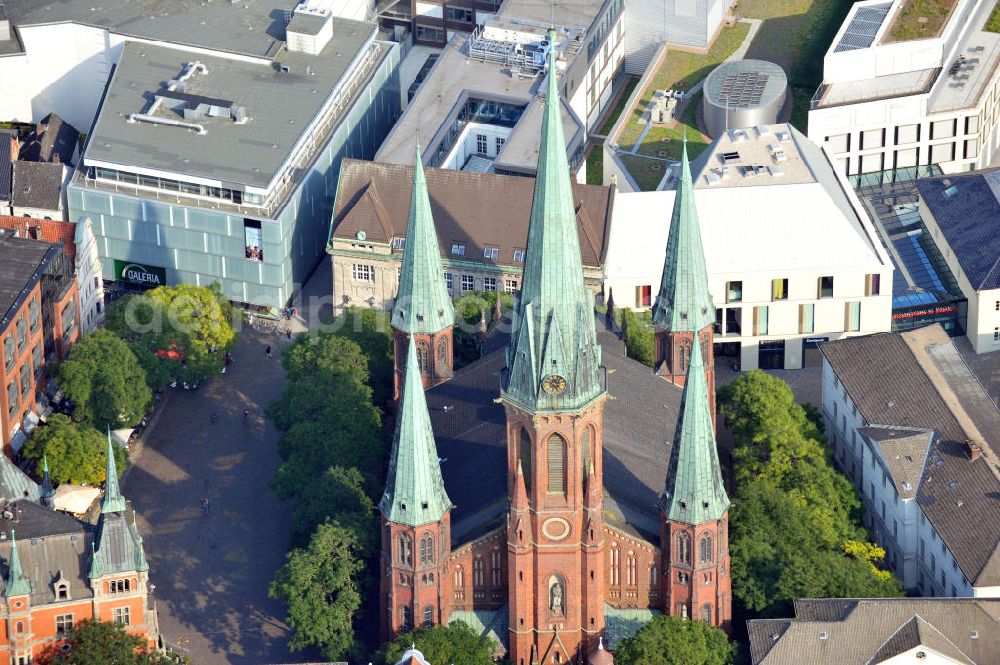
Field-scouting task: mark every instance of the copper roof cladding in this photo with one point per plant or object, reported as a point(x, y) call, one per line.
point(917, 379)
point(475, 209)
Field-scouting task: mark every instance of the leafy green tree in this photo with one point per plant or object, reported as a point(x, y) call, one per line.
point(325, 415)
point(370, 330)
point(184, 330)
point(796, 528)
point(77, 453)
point(337, 495)
point(453, 643)
point(675, 641)
point(639, 342)
point(103, 643)
point(104, 379)
point(319, 585)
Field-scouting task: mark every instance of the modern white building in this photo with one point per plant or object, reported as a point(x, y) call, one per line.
point(890, 101)
point(792, 258)
point(916, 433)
point(480, 108)
point(962, 215)
point(688, 23)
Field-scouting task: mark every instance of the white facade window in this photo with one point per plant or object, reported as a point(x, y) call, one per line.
point(839, 143)
point(491, 252)
point(449, 281)
point(468, 283)
point(944, 152)
point(518, 256)
point(907, 134)
point(971, 148)
point(499, 142)
point(943, 129)
point(481, 144)
point(458, 249)
point(510, 285)
point(852, 321)
point(363, 273)
point(906, 158)
point(872, 138)
point(489, 283)
point(122, 616)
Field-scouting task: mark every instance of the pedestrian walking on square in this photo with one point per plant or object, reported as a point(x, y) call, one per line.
point(288, 333)
point(204, 506)
point(267, 351)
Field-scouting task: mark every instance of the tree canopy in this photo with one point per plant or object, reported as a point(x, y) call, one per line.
point(674, 641)
point(339, 495)
point(104, 379)
point(176, 331)
point(77, 453)
point(370, 330)
point(796, 528)
point(319, 584)
point(95, 642)
point(453, 643)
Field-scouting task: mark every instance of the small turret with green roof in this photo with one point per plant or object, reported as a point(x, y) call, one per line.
point(414, 490)
point(422, 301)
point(683, 303)
point(17, 584)
point(694, 492)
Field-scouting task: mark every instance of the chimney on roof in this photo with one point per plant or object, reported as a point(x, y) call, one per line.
point(974, 451)
point(15, 148)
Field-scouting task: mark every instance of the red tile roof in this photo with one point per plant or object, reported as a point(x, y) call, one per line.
point(51, 231)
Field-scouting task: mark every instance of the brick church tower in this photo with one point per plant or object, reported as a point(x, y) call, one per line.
point(553, 394)
point(683, 309)
point(695, 513)
point(423, 309)
point(416, 512)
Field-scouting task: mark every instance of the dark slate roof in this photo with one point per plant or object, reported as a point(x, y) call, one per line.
point(37, 185)
point(48, 543)
point(22, 263)
point(914, 633)
point(14, 483)
point(892, 386)
point(967, 209)
point(56, 142)
point(476, 209)
point(6, 167)
point(639, 421)
point(904, 450)
point(866, 632)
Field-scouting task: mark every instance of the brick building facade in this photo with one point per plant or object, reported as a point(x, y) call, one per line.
point(40, 322)
point(533, 493)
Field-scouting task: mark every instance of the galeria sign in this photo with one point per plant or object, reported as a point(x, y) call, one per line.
point(137, 273)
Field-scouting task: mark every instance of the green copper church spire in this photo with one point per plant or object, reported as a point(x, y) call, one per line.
point(422, 302)
point(113, 501)
point(553, 357)
point(414, 491)
point(683, 303)
point(694, 492)
point(17, 583)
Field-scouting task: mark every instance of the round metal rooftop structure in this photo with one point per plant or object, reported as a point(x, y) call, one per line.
point(743, 93)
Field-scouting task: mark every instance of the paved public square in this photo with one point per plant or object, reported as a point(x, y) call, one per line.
point(212, 572)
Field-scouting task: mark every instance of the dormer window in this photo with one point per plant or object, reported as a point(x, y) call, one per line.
point(458, 249)
point(518, 256)
point(62, 590)
point(491, 253)
point(399, 243)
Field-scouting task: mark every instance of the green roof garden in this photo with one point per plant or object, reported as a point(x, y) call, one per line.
point(993, 22)
point(919, 19)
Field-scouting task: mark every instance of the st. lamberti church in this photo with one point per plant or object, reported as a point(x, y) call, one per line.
point(554, 493)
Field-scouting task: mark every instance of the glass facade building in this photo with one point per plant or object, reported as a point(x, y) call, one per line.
point(259, 254)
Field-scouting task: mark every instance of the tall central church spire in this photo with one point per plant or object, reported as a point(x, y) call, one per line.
point(553, 357)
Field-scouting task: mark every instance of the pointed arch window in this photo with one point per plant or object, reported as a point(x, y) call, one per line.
point(706, 612)
point(406, 618)
point(423, 360)
point(683, 356)
point(459, 577)
point(495, 568)
point(630, 569)
point(705, 554)
point(442, 351)
point(478, 578)
point(586, 442)
point(525, 457)
point(427, 548)
point(682, 548)
point(405, 550)
point(613, 563)
point(429, 616)
point(682, 610)
point(555, 453)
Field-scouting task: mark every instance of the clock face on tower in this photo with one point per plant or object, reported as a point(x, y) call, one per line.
point(554, 384)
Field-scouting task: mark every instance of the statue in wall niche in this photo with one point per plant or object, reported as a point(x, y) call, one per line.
point(556, 595)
